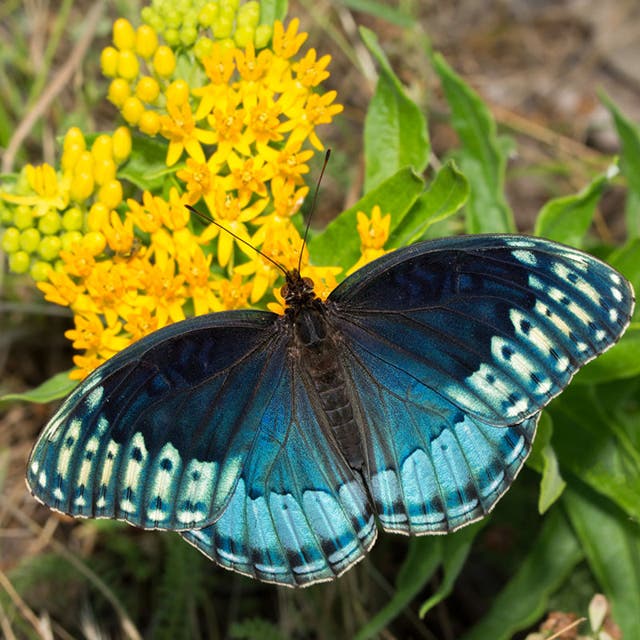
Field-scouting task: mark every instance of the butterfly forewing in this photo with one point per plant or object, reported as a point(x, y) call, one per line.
point(158, 435)
point(496, 325)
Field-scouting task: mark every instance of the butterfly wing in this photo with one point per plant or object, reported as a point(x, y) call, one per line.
point(460, 342)
point(205, 422)
point(297, 515)
point(158, 435)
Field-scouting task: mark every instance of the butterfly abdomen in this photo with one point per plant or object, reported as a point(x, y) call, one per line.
point(318, 355)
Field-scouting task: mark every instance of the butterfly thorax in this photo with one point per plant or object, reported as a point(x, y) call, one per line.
point(318, 353)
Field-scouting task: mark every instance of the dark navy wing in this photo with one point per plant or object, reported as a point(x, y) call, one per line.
point(453, 347)
point(205, 428)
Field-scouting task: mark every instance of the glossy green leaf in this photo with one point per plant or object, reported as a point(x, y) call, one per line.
point(567, 219)
point(395, 130)
point(591, 443)
point(52, 389)
point(339, 243)
point(554, 555)
point(544, 460)
point(629, 134)
point(611, 542)
point(483, 156)
point(446, 194)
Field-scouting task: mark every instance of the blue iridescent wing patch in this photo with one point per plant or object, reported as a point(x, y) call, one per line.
point(269, 442)
point(298, 515)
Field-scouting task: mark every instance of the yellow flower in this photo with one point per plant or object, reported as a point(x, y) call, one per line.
point(90, 334)
point(374, 232)
point(60, 289)
point(79, 261)
point(287, 43)
point(229, 131)
point(232, 213)
point(179, 127)
point(147, 216)
point(287, 163)
point(85, 364)
point(233, 293)
point(311, 72)
point(140, 322)
point(119, 234)
point(198, 179)
point(50, 192)
point(111, 289)
point(250, 67)
point(248, 176)
point(317, 110)
point(264, 121)
point(262, 273)
point(166, 288)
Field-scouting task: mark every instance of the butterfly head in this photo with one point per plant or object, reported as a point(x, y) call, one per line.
point(297, 291)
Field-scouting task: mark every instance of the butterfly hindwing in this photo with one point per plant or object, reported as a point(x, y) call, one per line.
point(431, 468)
point(298, 514)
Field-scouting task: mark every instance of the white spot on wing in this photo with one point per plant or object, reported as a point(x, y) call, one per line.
point(93, 399)
point(526, 257)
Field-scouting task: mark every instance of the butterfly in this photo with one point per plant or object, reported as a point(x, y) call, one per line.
point(276, 444)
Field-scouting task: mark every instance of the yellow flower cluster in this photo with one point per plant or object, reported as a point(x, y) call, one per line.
point(242, 130)
point(236, 130)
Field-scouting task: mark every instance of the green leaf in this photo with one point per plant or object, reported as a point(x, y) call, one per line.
point(339, 243)
point(146, 168)
point(567, 219)
point(395, 130)
point(618, 363)
point(423, 558)
point(382, 10)
point(544, 460)
point(483, 156)
point(554, 555)
point(455, 549)
point(591, 442)
point(272, 10)
point(629, 134)
point(611, 543)
point(626, 259)
point(52, 389)
point(448, 191)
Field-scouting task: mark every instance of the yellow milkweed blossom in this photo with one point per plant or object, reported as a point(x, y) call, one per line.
point(237, 117)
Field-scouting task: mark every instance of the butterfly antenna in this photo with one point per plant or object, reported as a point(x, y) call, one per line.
point(313, 207)
point(237, 237)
